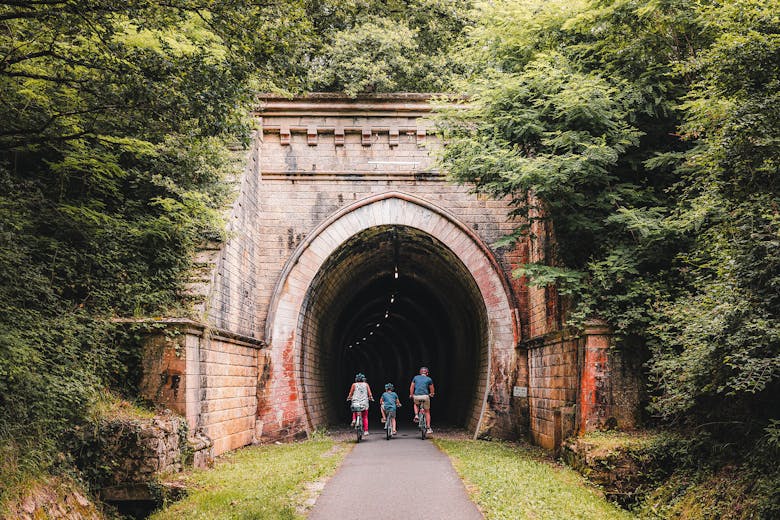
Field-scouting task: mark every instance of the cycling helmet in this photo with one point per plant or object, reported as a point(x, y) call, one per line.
point(359, 377)
point(389, 386)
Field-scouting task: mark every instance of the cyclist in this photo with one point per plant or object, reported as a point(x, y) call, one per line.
point(360, 394)
point(390, 403)
point(421, 390)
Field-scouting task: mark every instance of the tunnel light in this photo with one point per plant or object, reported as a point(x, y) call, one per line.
point(395, 274)
point(377, 324)
point(371, 333)
point(392, 298)
point(364, 339)
point(387, 314)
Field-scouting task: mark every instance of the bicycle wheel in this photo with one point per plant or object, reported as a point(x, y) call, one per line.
point(423, 426)
point(359, 428)
point(389, 429)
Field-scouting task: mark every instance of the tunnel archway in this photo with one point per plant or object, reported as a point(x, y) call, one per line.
point(389, 300)
point(450, 310)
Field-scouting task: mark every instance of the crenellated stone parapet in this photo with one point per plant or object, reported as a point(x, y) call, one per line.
point(332, 135)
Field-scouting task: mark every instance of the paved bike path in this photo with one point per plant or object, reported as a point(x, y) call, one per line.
point(380, 479)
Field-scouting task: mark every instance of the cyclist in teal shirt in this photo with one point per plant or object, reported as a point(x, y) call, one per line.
point(421, 390)
point(389, 403)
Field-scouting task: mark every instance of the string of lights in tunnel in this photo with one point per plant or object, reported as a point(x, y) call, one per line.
point(392, 295)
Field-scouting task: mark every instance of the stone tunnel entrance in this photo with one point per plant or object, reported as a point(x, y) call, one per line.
point(451, 310)
point(387, 301)
point(336, 193)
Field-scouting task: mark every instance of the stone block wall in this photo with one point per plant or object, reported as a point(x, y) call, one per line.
point(311, 166)
point(127, 458)
point(228, 392)
point(223, 282)
point(578, 383)
point(611, 388)
point(139, 450)
point(209, 376)
point(553, 384)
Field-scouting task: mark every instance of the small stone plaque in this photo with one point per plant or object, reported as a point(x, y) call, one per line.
point(520, 391)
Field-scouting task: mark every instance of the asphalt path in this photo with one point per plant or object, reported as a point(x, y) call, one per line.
point(402, 478)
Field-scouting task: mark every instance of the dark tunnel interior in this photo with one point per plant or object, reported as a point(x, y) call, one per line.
point(387, 301)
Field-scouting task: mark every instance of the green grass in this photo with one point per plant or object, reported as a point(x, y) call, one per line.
point(514, 482)
point(609, 441)
point(261, 482)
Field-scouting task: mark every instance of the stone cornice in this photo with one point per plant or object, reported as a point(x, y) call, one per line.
point(198, 328)
point(324, 104)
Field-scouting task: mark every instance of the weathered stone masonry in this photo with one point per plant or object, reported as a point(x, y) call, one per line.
point(322, 172)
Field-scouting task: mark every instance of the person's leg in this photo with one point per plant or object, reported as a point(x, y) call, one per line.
point(384, 415)
point(354, 419)
point(419, 404)
point(426, 404)
point(365, 420)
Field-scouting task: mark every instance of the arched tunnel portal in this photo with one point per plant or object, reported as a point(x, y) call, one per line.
point(338, 308)
point(389, 300)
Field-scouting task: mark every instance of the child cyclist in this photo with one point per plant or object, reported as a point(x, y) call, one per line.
point(360, 394)
point(389, 402)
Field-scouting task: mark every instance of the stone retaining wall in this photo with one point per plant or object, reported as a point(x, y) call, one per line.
point(553, 384)
point(56, 498)
point(207, 375)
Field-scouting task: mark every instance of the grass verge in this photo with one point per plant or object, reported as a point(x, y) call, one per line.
point(509, 481)
point(258, 482)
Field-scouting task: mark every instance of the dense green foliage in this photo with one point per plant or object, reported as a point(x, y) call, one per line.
point(399, 45)
point(646, 132)
point(113, 156)
point(116, 123)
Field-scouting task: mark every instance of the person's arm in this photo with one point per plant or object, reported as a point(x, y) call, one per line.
point(351, 389)
point(411, 389)
point(431, 390)
point(370, 396)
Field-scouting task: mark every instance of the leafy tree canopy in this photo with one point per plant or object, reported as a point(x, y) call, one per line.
point(399, 45)
point(647, 134)
point(114, 156)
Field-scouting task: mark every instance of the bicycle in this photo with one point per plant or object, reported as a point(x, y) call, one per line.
point(421, 420)
point(389, 423)
point(359, 427)
point(358, 422)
